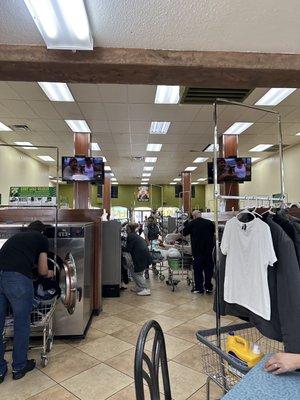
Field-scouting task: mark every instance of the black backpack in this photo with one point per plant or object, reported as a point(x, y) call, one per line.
point(153, 232)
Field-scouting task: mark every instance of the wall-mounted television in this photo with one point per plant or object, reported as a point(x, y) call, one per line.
point(178, 191)
point(83, 169)
point(231, 169)
point(114, 191)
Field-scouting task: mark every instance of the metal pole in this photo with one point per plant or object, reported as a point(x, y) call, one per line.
point(216, 215)
point(281, 172)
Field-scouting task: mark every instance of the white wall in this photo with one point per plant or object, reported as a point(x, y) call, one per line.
point(17, 169)
point(265, 176)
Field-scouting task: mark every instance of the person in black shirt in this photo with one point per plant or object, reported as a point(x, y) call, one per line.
point(202, 233)
point(18, 256)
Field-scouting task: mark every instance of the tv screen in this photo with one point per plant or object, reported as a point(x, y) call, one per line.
point(114, 191)
point(83, 169)
point(231, 169)
point(178, 191)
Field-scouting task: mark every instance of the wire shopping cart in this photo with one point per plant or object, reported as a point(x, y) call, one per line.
point(41, 322)
point(218, 365)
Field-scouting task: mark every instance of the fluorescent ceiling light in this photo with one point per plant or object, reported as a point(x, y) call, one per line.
point(146, 174)
point(148, 168)
point(274, 96)
point(78, 125)
point(237, 128)
point(159, 127)
point(50, 177)
point(261, 147)
point(173, 183)
point(56, 91)
point(107, 168)
point(4, 127)
point(30, 148)
point(210, 148)
point(113, 179)
point(253, 159)
point(95, 147)
point(167, 94)
point(177, 179)
point(190, 168)
point(201, 179)
point(46, 158)
point(195, 183)
point(200, 159)
point(63, 24)
point(150, 159)
point(298, 134)
point(154, 147)
point(23, 143)
point(145, 180)
point(103, 159)
point(115, 183)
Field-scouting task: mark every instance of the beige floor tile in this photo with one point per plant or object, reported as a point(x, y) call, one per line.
point(97, 383)
point(67, 364)
point(124, 362)
point(58, 348)
point(184, 381)
point(174, 346)
point(215, 393)
point(169, 297)
point(55, 393)
point(91, 335)
point(208, 321)
point(157, 306)
point(111, 324)
point(137, 315)
point(191, 358)
point(116, 307)
point(128, 393)
point(186, 331)
point(166, 323)
point(100, 316)
point(105, 348)
point(188, 311)
point(33, 383)
point(130, 334)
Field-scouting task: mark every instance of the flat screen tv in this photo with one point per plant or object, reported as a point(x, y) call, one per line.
point(83, 169)
point(178, 191)
point(231, 169)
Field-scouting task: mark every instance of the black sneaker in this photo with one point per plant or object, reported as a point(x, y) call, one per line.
point(20, 374)
point(201, 292)
point(2, 376)
point(209, 291)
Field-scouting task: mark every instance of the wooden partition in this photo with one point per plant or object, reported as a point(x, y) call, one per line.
point(47, 215)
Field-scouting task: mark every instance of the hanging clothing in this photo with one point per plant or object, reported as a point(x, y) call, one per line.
point(249, 249)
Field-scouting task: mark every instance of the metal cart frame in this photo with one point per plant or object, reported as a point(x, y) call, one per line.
point(218, 365)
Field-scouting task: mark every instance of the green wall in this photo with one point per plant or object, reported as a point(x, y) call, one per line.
point(127, 197)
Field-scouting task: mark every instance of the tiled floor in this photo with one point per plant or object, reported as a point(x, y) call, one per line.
point(101, 366)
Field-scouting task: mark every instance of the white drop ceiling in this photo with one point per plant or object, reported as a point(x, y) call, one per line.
point(227, 25)
point(120, 116)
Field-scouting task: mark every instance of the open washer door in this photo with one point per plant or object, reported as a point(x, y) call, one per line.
point(70, 293)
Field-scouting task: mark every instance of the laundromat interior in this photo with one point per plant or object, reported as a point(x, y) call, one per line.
point(115, 114)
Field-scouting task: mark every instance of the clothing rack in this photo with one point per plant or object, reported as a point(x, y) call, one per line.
point(218, 196)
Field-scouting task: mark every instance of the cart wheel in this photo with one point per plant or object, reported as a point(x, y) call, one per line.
point(155, 271)
point(44, 361)
point(167, 283)
point(173, 288)
point(162, 277)
point(49, 344)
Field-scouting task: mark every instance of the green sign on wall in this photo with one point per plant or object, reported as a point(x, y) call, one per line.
point(32, 195)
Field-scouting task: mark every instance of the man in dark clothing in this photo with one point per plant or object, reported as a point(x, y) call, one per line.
point(138, 249)
point(18, 256)
point(202, 239)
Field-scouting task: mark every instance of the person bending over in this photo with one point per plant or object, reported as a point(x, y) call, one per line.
point(141, 258)
point(18, 256)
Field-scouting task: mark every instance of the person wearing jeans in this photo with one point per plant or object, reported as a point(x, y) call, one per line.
point(141, 259)
point(18, 256)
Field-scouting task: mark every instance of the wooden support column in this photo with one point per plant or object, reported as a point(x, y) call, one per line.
point(81, 189)
point(107, 193)
point(230, 148)
point(187, 191)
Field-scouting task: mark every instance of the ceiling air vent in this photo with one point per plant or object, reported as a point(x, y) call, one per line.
point(199, 95)
point(275, 148)
point(137, 158)
point(20, 128)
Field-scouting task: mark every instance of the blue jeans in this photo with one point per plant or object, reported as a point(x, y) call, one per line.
point(16, 290)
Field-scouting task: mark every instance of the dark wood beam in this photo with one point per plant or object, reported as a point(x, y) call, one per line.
point(142, 66)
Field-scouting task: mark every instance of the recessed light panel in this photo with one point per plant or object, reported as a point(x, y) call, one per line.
point(150, 159)
point(46, 158)
point(261, 147)
point(237, 128)
point(254, 159)
point(190, 169)
point(4, 127)
point(177, 179)
point(107, 168)
point(78, 125)
point(167, 94)
point(173, 183)
point(148, 168)
point(146, 174)
point(210, 148)
point(274, 96)
point(201, 179)
point(95, 147)
point(159, 127)
point(200, 160)
point(154, 147)
point(23, 143)
point(56, 91)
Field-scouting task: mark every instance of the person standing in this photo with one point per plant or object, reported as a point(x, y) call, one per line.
point(18, 256)
point(138, 249)
point(202, 232)
point(151, 232)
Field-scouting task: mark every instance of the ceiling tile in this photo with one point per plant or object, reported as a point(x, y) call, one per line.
point(119, 126)
point(94, 111)
point(113, 93)
point(141, 94)
point(44, 109)
point(28, 90)
point(7, 93)
point(140, 112)
point(98, 126)
point(68, 110)
point(85, 92)
point(19, 108)
point(116, 111)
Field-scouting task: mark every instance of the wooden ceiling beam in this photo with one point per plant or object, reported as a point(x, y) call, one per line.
point(142, 66)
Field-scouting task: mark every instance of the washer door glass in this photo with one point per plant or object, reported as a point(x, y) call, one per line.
point(68, 283)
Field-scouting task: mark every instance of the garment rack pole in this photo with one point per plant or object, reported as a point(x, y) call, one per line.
point(218, 196)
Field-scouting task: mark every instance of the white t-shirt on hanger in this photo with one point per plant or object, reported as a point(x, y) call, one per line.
point(249, 249)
